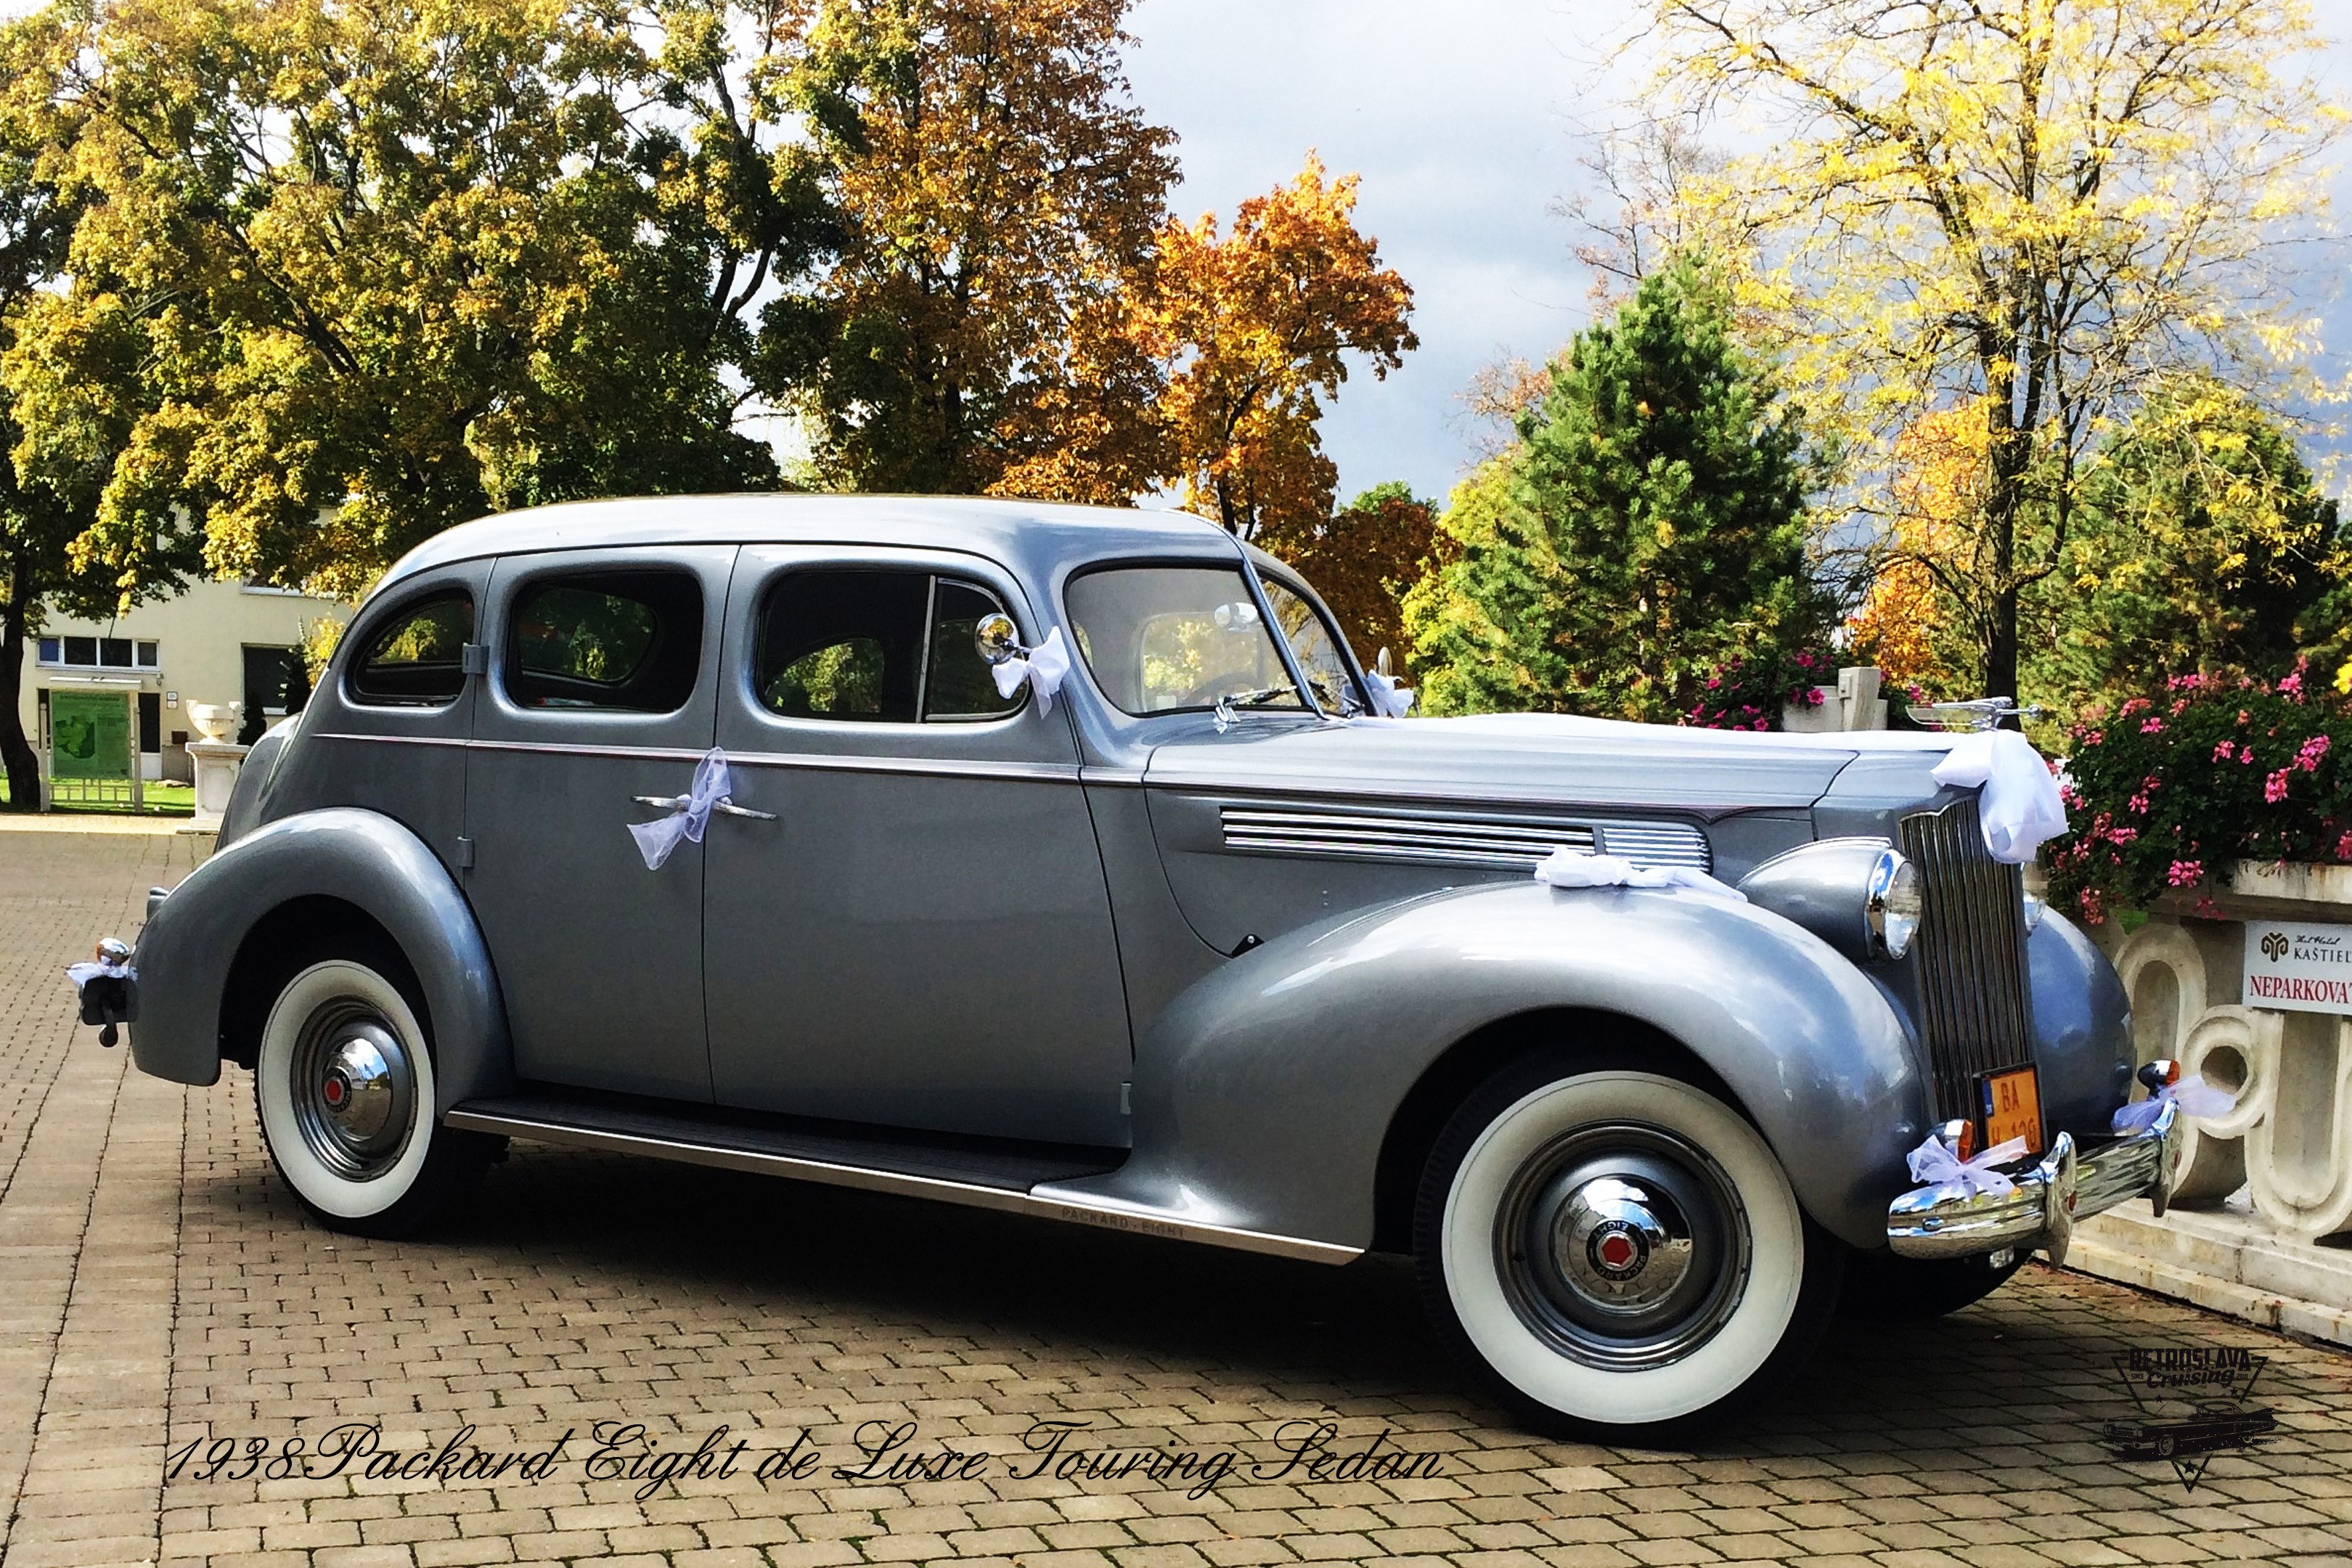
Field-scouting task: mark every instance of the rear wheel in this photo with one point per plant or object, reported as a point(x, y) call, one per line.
point(343, 1083)
point(1618, 1251)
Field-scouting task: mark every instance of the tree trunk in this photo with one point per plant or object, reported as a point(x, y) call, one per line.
point(2004, 506)
point(16, 750)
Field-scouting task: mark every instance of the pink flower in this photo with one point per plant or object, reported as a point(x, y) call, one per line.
point(2292, 685)
point(2071, 795)
point(2153, 727)
point(2225, 751)
point(2185, 873)
point(2139, 805)
point(2136, 705)
point(2093, 907)
point(2245, 716)
point(1713, 681)
point(2122, 835)
point(2247, 757)
point(2344, 847)
point(2274, 787)
point(2313, 750)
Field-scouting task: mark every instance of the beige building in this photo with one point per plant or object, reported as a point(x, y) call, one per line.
point(217, 642)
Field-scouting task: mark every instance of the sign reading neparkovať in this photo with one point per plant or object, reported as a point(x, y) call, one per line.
point(2298, 967)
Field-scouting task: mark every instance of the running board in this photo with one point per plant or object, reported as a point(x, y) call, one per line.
point(1015, 1184)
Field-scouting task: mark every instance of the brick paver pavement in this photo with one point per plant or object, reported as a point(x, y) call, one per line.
point(158, 1288)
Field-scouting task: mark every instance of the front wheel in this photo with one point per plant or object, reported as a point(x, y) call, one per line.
point(343, 1083)
point(1619, 1251)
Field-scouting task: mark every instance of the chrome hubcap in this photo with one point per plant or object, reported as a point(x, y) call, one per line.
point(354, 1090)
point(1625, 1245)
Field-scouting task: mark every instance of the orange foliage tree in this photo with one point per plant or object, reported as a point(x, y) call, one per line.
point(1364, 559)
point(1251, 328)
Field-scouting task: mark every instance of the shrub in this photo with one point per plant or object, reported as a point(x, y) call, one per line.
point(1747, 693)
point(2166, 790)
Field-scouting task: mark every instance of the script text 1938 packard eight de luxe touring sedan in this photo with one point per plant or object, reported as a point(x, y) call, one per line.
point(1062, 861)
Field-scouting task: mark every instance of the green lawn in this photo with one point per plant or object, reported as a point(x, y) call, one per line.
point(163, 800)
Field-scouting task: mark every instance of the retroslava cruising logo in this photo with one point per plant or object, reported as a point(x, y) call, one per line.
point(2298, 967)
point(2207, 1387)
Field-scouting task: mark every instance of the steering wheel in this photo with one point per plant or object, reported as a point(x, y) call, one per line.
point(1210, 689)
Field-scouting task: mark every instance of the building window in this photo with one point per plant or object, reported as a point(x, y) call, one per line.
point(97, 653)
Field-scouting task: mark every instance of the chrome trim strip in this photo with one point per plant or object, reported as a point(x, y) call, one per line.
point(829, 762)
point(1455, 796)
point(969, 1194)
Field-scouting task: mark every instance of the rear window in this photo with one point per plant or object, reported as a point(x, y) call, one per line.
point(628, 640)
point(416, 658)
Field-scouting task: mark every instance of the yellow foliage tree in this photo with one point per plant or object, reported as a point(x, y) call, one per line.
point(1915, 622)
point(2026, 207)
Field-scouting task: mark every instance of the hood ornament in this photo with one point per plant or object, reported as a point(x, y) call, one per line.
point(1969, 718)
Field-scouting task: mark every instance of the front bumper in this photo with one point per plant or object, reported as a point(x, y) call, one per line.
point(2064, 1185)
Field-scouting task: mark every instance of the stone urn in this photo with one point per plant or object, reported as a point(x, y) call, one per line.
point(216, 721)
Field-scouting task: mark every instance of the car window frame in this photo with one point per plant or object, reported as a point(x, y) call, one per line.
point(747, 667)
point(1306, 708)
point(501, 644)
point(360, 637)
point(1349, 660)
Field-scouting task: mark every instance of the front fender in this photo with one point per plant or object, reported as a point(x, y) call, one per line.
point(2081, 1029)
point(1263, 1094)
point(359, 857)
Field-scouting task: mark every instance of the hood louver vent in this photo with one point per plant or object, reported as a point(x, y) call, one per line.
point(1505, 842)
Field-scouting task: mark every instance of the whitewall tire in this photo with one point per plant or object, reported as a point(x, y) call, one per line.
point(1618, 1250)
point(343, 1083)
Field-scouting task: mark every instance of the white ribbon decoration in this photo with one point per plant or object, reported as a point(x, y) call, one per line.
point(2021, 806)
point(1935, 1165)
point(1576, 869)
point(87, 970)
point(1044, 667)
point(688, 814)
point(2192, 1094)
point(1389, 700)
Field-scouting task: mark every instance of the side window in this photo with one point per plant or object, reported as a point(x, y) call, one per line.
point(959, 683)
point(843, 645)
point(628, 640)
point(417, 658)
point(876, 648)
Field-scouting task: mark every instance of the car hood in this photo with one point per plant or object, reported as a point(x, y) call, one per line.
point(1545, 758)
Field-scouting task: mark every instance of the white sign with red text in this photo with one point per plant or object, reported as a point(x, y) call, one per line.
point(2295, 966)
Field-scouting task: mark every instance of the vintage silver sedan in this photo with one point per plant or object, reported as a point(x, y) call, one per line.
point(1058, 860)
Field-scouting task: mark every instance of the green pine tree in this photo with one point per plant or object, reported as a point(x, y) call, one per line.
point(1650, 530)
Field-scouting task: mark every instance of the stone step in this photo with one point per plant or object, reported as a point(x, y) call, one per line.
point(2225, 1260)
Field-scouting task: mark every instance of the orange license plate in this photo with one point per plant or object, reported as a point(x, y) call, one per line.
point(2013, 1102)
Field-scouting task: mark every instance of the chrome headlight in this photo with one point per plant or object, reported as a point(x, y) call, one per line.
point(1894, 903)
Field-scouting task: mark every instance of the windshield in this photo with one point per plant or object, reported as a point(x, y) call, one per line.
point(1161, 638)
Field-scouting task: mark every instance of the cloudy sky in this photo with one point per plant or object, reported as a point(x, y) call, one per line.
point(1467, 120)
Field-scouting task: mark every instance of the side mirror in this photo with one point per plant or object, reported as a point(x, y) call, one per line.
point(997, 639)
point(1382, 666)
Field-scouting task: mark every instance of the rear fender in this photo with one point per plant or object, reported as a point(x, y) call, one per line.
point(361, 859)
point(1263, 1096)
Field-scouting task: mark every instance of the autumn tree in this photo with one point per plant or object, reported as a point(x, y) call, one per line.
point(992, 190)
point(2030, 208)
point(1651, 526)
point(1364, 559)
point(1922, 616)
point(1255, 326)
point(45, 520)
point(348, 275)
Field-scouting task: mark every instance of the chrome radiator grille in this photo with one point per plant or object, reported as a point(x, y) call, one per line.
point(1976, 1013)
point(1516, 843)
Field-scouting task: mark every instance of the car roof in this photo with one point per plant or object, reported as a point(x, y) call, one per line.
point(1033, 538)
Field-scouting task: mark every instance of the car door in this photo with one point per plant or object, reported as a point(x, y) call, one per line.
point(922, 938)
point(604, 670)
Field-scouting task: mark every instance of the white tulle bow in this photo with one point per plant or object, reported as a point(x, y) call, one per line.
point(690, 814)
point(2021, 806)
point(2192, 1094)
point(1575, 868)
point(1934, 1164)
point(1042, 666)
point(87, 970)
point(1389, 700)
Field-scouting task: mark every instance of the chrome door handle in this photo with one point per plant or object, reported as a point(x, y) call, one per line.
point(732, 809)
point(686, 803)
